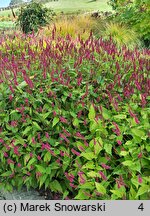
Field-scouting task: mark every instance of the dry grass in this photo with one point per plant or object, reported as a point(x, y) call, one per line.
point(74, 26)
point(121, 35)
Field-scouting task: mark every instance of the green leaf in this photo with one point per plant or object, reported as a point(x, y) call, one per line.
point(127, 163)
point(124, 153)
point(26, 158)
point(135, 182)
point(87, 185)
point(81, 195)
point(100, 188)
point(108, 148)
point(55, 186)
point(48, 170)
point(42, 179)
point(12, 166)
point(44, 44)
point(31, 162)
point(76, 122)
point(137, 132)
point(142, 190)
point(119, 193)
point(8, 173)
point(93, 126)
point(41, 169)
point(89, 165)
point(46, 115)
point(88, 155)
point(105, 113)
point(132, 194)
point(21, 85)
point(55, 121)
point(98, 146)
point(119, 117)
point(91, 114)
point(47, 157)
point(65, 194)
point(73, 114)
point(27, 130)
point(37, 126)
point(92, 174)
point(136, 166)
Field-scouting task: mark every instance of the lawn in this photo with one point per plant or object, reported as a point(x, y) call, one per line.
point(83, 5)
point(6, 12)
point(71, 6)
point(6, 24)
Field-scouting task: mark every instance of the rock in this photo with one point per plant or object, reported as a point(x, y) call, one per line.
point(23, 194)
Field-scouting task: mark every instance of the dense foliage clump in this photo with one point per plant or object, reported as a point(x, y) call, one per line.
point(33, 16)
point(136, 14)
point(74, 117)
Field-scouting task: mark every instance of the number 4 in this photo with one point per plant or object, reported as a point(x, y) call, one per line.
point(141, 207)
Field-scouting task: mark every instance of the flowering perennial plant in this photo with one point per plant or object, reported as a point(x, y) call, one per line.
point(74, 117)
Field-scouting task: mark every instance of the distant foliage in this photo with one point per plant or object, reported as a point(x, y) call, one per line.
point(118, 3)
point(136, 14)
point(32, 17)
point(14, 2)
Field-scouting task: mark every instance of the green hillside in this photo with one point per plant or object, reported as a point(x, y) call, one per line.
point(72, 6)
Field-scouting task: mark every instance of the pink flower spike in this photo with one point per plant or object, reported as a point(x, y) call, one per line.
point(81, 148)
point(140, 155)
point(10, 97)
point(19, 165)
point(33, 140)
point(39, 157)
point(82, 180)
point(140, 180)
point(105, 166)
point(103, 176)
point(5, 154)
point(47, 135)
point(136, 120)
point(54, 113)
point(75, 152)
point(72, 185)
point(63, 120)
point(131, 113)
point(119, 142)
point(31, 155)
point(9, 161)
point(16, 152)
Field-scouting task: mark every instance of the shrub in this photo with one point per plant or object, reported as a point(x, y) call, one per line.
point(74, 118)
point(33, 16)
point(137, 16)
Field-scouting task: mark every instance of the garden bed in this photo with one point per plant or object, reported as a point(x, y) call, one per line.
point(74, 117)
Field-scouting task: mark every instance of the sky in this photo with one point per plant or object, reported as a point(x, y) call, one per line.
point(4, 3)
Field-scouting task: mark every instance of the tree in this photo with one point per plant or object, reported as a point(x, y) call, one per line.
point(15, 2)
point(33, 16)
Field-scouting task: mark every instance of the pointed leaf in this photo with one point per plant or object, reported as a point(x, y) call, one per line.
point(37, 126)
point(55, 121)
point(91, 114)
point(100, 188)
point(142, 190)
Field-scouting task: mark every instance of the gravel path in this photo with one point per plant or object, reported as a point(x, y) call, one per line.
point(21, 195)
